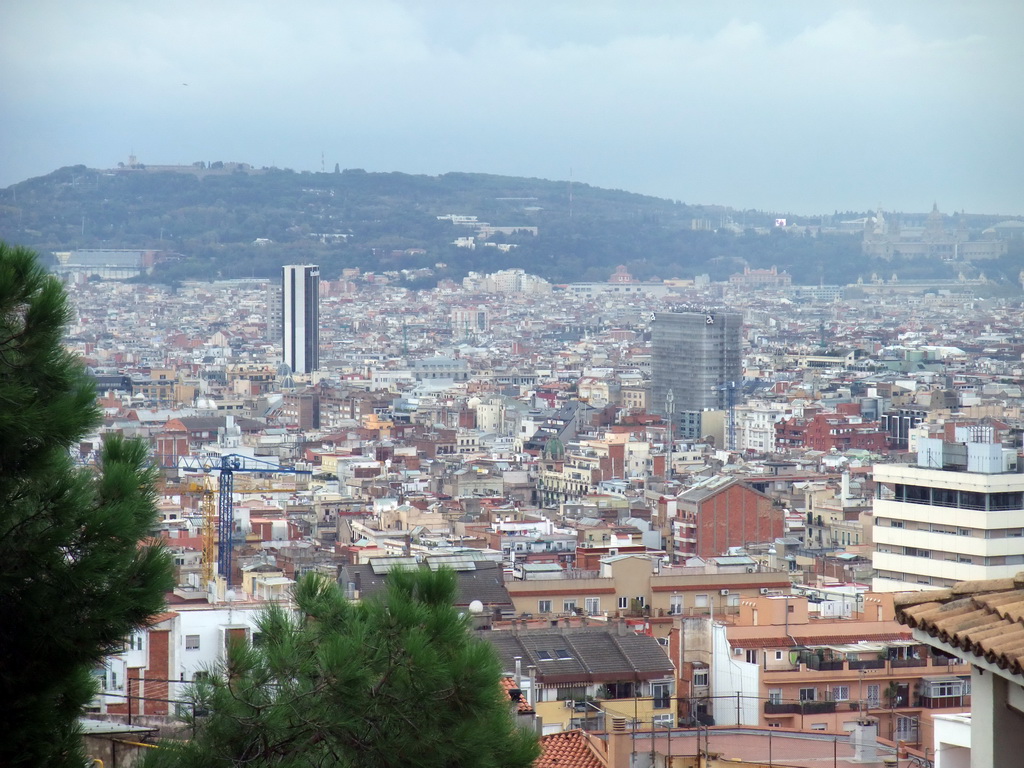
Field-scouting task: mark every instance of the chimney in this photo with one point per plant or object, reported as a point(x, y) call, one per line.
point(620, 744)
point(532, 693)
point(865, 741)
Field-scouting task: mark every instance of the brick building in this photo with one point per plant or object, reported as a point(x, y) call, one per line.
point(721, 512)
point(825, 431)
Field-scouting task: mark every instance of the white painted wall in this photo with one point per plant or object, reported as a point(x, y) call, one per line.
point(731, 675)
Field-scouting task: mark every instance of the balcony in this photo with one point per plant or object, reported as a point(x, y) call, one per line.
point(851, 670)
point(800, 707)
point(813, 662)
point(869, 664)
point(896, 663)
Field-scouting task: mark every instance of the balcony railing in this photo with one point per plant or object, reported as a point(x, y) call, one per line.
point(868, 664)
point(813, 662)
point(908, 662)
point(800, 707)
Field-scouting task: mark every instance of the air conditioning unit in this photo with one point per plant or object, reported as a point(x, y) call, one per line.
point(737, 651)
point(723, 591)
point(570, 704)
point(765, 591)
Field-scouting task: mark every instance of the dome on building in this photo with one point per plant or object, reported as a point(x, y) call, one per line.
point(554, 449)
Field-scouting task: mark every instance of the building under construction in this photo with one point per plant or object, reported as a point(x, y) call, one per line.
point(696, 366)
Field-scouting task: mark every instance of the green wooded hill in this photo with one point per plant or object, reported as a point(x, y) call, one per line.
point(210, 218)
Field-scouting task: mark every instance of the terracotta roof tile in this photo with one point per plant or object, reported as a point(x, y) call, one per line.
point(512, 689)
point(981, 618)
point(568, 749)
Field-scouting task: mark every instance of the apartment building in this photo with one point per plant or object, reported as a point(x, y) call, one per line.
point(637, 585)
point(779, 664)
point(955, 515)
point(720, 512)
point(581, 675)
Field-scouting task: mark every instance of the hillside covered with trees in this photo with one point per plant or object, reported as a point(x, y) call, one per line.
point(230, 220)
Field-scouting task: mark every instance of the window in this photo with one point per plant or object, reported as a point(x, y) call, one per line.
point(874, 695)
point(700, 678)
point(592, 604)
point(818, 726)
point(808, 694)
point(623, 603)
point(752, 656)
point(135, 641)
point(675, 605)
point(568, 606)
point(906, 728)
point(840, 693)
point(660, 693)
point(774, 695)
point(700, 601)
point(543, 606)
point(191, 642)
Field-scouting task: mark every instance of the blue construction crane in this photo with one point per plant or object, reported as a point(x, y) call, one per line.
point(227, 466)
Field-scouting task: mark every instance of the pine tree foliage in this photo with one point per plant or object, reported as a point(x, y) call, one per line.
point(73, 579)
point(394, 681)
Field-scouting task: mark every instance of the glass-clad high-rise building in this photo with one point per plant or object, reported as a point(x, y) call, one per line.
point(300, 317)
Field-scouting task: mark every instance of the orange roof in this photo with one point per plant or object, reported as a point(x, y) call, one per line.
point(815, 633)
point(160, 617)
point(523, 707)
point(983, 618)
point(568, 749)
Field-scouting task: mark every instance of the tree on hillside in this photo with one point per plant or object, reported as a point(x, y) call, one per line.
point(73, 578)
point(398, 680)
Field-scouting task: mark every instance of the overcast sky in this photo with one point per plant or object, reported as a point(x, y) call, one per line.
point(787, 105)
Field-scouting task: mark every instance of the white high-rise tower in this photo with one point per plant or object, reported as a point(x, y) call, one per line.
point(300, 310)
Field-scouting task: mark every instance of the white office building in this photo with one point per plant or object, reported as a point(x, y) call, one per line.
point(300, 316)
point(955, 515)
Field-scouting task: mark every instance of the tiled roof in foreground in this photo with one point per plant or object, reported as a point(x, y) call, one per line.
point(984, 619)
point(568, 749)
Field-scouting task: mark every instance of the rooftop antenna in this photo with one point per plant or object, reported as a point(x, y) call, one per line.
point(322, 167)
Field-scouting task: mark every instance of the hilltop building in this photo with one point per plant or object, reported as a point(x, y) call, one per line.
point(888, 238)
